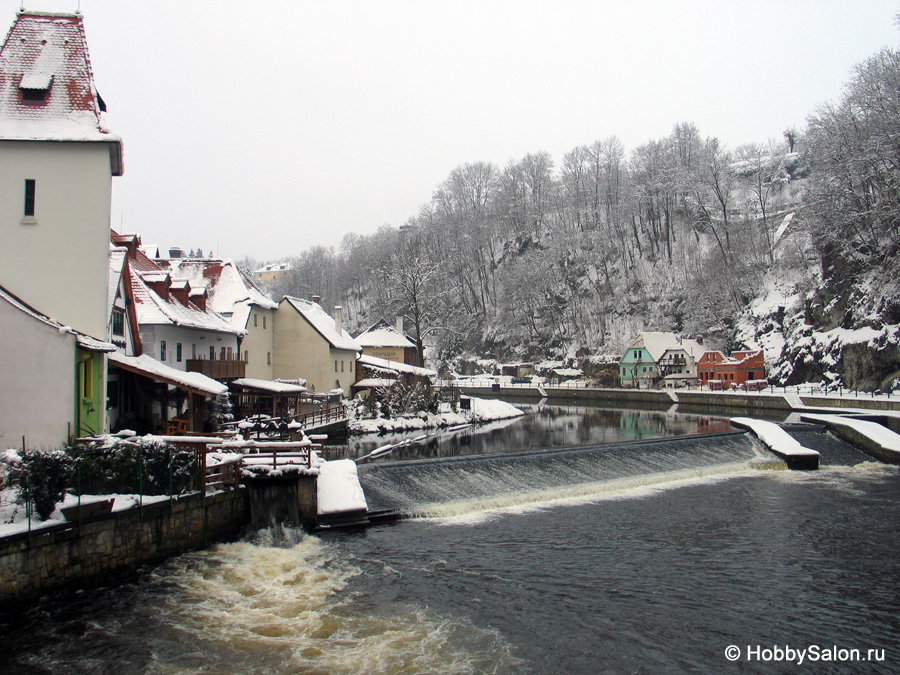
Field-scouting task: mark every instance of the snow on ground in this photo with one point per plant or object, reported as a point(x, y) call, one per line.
point(338, 488)
point(482, 410)
point(13, 518)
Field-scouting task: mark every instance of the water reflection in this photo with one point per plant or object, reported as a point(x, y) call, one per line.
point(542, 427)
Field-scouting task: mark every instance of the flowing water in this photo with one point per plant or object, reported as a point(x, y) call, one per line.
point(636, 557)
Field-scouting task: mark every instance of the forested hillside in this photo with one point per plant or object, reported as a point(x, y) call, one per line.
point(789, 245)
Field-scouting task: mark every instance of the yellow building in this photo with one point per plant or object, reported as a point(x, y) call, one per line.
point(311, 345)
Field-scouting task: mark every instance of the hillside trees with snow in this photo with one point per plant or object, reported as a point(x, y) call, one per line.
point(767, 245)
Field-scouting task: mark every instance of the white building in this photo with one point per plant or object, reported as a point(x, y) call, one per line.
point(57, 160)
point(232, 294)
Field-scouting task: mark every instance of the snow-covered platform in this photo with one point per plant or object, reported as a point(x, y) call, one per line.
point(780, 442)
point(871, 437)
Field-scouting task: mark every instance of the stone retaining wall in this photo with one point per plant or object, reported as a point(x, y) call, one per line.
point(119, 543)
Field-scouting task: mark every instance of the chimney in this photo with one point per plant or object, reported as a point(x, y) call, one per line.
point(338, 319)
point(399, 324)
point(316, 299)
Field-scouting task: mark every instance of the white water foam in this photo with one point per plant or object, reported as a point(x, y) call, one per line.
point(281, 604)
point(481, 509)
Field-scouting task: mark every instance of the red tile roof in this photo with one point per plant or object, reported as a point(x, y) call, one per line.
point(48, 51)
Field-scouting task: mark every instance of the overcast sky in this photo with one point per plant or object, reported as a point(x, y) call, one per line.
point(264, 128)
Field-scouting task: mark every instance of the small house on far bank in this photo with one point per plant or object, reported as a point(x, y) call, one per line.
point(311, 345)
point(384, 341)
point(717, 371)
point(375, 373)
point(678, 364)
point(639, 366)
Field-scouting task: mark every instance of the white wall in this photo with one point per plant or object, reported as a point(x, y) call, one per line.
point(59, 263)
point(152, 335)
point(37, 381)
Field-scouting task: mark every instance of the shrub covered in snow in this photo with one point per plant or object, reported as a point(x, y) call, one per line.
point(40, 476)
point(147, 465)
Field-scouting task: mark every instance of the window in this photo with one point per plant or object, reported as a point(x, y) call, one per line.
point(255, 316)
point(178, 352)
point(230, 354)
point(212, 353)
point(342, 366)
point(335, 366)
point(264, 323)
point(118, 322)
point(246, 356)
point(34, 96)
point(193, 351)
point(268, 358)
point(87, 378)
point(30, 187)
point(162, 350)
point(222, 353)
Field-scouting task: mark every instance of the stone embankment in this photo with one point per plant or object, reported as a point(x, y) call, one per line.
point(686, 399)
point(51, 557)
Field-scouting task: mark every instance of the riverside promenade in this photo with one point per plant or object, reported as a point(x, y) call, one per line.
point(804, 399)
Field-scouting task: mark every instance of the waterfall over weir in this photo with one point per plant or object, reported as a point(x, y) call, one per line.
point(462, 486)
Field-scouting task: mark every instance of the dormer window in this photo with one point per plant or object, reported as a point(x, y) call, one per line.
point(34, 88)
point(34, 96)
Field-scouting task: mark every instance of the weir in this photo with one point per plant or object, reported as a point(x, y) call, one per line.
point(452, 486)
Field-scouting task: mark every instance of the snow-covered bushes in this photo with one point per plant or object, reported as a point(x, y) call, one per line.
point(41, 476)
point(147, 465)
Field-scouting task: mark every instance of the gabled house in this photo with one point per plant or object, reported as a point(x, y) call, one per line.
point(375, 373)
point(269, 273)
point(311, 345)
point(384, 341)
point(639, 366)
point(177, 326)
point(234, 295)
point(718, 371)
point(57, 161)
point(678, 364)
point(53, 378)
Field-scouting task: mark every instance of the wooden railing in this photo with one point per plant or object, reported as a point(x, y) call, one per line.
point(218, 369)
point(319, 418)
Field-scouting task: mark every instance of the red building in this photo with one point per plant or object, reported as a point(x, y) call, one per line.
point(718, 371)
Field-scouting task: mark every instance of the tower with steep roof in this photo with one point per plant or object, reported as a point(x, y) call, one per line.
point(57, 160)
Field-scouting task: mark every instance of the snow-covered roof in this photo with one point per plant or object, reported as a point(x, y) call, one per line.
point(269, 385)
point(381, 335)
point(323, 323)
point(117, 257)
point(150, 367)
point(273, 267)
point(656, 343)
point(375, 382)
point(154, 309)
point(84, 341)
point(46, 55)
point(393, 366)
point(231, 292)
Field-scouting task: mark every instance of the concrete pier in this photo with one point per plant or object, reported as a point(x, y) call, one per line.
point(780, 443)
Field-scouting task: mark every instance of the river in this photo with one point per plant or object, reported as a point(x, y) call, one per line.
point(614, 569)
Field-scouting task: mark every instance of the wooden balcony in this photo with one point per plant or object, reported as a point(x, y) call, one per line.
point(218, 369)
